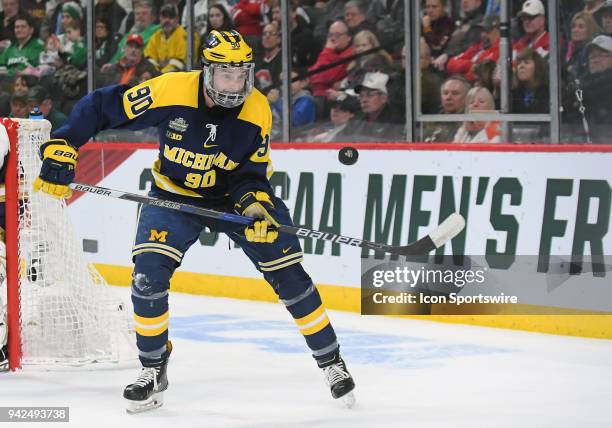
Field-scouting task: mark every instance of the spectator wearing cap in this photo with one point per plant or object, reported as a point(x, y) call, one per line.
point(376, 61)
point(112, 12)
point(303, 108)
point(600, 55)
point(129, 67)
point(167, 49)
point(452, 93)
point(583, 30)
point(356, 19)
point(436, 26)
point(595, 85)
point(465, 34)
point(25, 50)
point(478, 100)
point(71, 13)
point(10, 10)
point(144, 26)
point(341, 114)
point(486, 49)
point(39, 97)
point(603, 16)
point(377, 120)
point(337, 47)
point(19, 105)
point(268, 63)
point(533, 20)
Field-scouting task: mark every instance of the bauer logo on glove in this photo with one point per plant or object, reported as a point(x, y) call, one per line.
point(57, 170)
point(256, 204)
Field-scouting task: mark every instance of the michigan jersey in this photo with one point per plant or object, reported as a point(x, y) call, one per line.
point(208, 153)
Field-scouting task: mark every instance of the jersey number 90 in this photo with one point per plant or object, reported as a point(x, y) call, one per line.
point(139, 100)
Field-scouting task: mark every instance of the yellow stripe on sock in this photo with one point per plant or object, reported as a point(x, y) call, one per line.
point(284, 265)
point(154, 250)
point(157, 245)
point(317, 327)
point(282, 259)
point(152, 321)
point(149, 333)
point(311, 316)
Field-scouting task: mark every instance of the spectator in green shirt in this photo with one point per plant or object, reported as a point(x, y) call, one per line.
point(24, 51)
point(74, 50)
point(144, 24)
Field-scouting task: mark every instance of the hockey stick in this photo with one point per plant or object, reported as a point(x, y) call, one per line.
point(446, 231)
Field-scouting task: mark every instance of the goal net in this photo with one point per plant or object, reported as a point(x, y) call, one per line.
point(60, 310)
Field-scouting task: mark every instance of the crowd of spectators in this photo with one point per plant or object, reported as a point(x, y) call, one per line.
point(348, 61)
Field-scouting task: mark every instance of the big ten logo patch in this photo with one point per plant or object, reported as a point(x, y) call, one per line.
point(174, 135)
point(158, 236)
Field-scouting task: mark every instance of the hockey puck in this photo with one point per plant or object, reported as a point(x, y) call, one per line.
point(348, 155)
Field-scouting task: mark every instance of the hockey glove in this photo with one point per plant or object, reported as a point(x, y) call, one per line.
point(57, 171)
point(256, 205)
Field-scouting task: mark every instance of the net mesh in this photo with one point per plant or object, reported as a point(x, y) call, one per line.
point(68, 313)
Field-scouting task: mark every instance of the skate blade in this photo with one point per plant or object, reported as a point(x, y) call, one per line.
point(348, 400)
point(154, 402)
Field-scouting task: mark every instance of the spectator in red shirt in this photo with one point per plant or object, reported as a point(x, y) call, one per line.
point(249, 18)
point(487, 49)
point(464, 35)
point(337, 47)
point(533, 19)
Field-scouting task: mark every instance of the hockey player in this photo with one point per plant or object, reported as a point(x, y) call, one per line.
point(214, 152)
point(4, 149)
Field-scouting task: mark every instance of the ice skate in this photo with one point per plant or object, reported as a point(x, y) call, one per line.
point(339, 379)
point(147, 393)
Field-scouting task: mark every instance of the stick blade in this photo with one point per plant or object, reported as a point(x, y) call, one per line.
point(447, 230)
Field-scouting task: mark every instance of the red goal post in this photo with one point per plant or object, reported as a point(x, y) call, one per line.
point(59, 309)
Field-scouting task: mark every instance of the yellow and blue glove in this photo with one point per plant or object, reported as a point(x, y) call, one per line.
point(257, 205)
point(58, 167)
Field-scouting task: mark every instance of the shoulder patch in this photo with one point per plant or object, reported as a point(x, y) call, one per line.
point(256, 110)
point(170, 89)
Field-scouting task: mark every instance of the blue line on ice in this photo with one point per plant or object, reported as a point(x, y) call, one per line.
point(358, 346)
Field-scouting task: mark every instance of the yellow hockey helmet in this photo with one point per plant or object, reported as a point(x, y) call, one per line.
point(228, 68)
point(226, 47)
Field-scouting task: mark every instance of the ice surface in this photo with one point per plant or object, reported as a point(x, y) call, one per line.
point(244, 364)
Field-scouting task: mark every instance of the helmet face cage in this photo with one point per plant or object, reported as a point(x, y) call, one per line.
point(228, 99)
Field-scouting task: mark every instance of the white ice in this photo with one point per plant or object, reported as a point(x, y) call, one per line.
point(243, 364)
